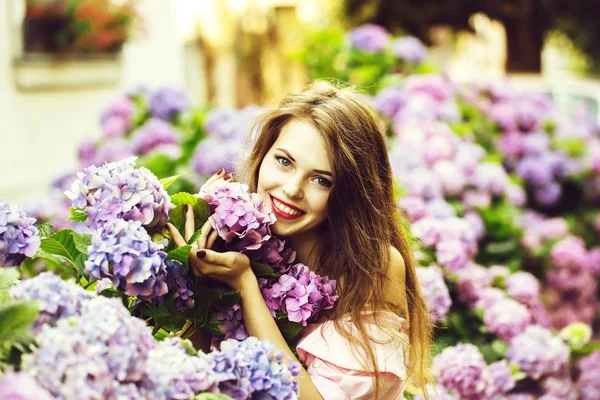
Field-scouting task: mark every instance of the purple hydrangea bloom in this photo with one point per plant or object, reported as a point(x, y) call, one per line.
point(179, 284)
point(588, 384)
point(91, 355)
point(462, 369)
point(156, 135)
point(86, 151)
point(570, 253)
point(241, 218)
point(172, 373)
point(501, 377)
point(57, 299)
point(549, 194)
point(504, 114)
point(19, 386)
point(254, 369)
point(231, 323)
point(435, 292)
point(511, 144)
point(167, 102)
point(110, 150)
point(119, 190)
point(472, 280)
point(19, 238)
point(413, 207)
point(506, 318)
point(389, 101)
point(450, 176)
point(213, 154)
point(124, 252)
point(534, 171)
point(523, 287)
point(116, 119)
point(409, 49)
point(221, 123)
point(492, 178)
point(369, 38)
point(537, 352)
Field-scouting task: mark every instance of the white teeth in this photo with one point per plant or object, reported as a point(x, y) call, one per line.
point(285, 208)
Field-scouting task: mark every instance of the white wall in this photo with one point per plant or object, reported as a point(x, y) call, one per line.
point(39, 131)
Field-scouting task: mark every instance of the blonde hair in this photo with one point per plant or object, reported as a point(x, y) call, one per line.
point(363, 219)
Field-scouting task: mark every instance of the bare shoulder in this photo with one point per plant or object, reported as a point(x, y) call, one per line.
point(396, 286)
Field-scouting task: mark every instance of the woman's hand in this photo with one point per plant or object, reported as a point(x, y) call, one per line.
point(232, 268)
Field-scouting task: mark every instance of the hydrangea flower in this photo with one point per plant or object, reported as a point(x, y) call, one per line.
point(172, 373)
point(124, 252)
point(213, 154)
point(156, 135)
point(222, 123)
point(537, 352)
point(435, 292)
point(57, 299)
point(119, 190)
point(254, 369)
point(231, 323)
point(91, 355)
point(167, 102)
point(241, 218)
point(179, 284)
point(462, 369)
point(523, 287)
point(116, 119)
point(19, 386)
point(570, 253)
point(501, 378)
point(588, 384)
point(409, 49)
point(506, 318)
point(369, 38)
point(19, 238)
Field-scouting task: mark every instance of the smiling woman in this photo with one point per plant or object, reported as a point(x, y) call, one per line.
point(320, 159)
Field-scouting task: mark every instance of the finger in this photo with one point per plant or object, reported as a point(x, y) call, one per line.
point(213, 179)
point(214, 257)
point(202, 239)
point(214, 235)
point(177, 238)
point(188, 229)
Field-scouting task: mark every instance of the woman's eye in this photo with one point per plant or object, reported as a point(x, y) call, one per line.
point(283, 161)
point(323, 182)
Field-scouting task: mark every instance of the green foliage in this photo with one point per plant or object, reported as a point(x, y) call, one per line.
point(16, 317)
point(67, 249)
point(78, 214)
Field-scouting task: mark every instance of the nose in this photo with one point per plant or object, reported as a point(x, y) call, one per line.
point(293, 189)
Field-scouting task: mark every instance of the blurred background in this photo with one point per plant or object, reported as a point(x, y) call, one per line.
point(491, 111)
point(56, 79)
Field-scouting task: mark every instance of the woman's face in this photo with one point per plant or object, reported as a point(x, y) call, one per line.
point(296, 179)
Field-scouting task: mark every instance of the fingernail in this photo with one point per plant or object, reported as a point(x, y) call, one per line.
point(201, 254)
point(227, 177)
point(187, 208)
point(221, 171)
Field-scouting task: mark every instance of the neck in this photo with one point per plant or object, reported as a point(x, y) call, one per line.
point(305, 247)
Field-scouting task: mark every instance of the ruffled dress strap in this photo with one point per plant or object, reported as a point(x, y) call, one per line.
point(338, 371)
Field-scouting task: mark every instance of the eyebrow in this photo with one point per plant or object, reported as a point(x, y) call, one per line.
point(319, 171)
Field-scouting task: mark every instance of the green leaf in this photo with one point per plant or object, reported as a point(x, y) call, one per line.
point(45, 230)
point(201, 207)
point(177, 218)
point(156, 312)
point(183, 198)
point(8, 277)
point(82, 241)
point(500, 347)
point(263, 270)
point(195, 236)
point(211, 396)
point(17, 317)
point(80, 265)
point(166, 182)
point(290, 330)
point(78, 214)
point(61, 244)
point(180, 254)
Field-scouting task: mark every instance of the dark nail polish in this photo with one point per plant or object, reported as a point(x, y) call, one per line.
point(201, 254)
point(221, 171)
point(227, 177)
point(187, 208)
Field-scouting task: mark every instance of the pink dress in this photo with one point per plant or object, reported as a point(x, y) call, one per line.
point(335, 369)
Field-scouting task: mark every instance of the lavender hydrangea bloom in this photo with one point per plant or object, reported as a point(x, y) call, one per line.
point(221, 123)
point(570, 253)
point(588, 384)
point(19, 238)
point(166, 103)
point(523, 287)
point(110, 150)
point(435, 292)
point(119, 190)
point(462, 369)
point(116, 119)
point(91, 355)
point(19, 386)
point(369, 38)
point(57, 299)
point(178, 282)
point(231, 323)
point(254, 369)
point(213, 154)
point(241, 218)
point(156, 135)
point(538, 352)
point(389, 101)
point(409, 49)
point(501, 377)
point(124, 252)
point(173, 374)
point(492, 178)
point(506, 318)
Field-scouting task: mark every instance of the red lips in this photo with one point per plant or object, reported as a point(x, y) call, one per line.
point(283, 214)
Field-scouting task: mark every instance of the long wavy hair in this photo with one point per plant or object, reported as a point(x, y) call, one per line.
point(363, 218)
